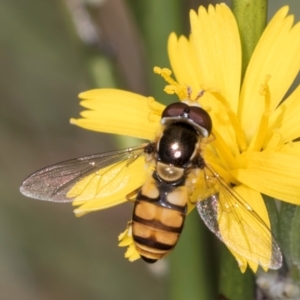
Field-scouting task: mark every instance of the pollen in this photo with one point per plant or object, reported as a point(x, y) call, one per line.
point(174, 87)
point(155, 110)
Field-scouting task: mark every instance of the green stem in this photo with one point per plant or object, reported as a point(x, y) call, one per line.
point(251, 16)
point(192, 268)
point(161, 19)
point(289, 227)
point(233, 284)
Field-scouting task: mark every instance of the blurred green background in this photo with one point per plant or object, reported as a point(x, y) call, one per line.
point(49, 52)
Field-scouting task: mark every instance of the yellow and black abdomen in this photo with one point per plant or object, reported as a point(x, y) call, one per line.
point(158, 218)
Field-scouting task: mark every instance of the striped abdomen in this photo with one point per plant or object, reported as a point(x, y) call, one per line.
point(158, 218)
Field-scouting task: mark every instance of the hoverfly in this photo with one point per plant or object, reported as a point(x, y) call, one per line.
point(161, 201)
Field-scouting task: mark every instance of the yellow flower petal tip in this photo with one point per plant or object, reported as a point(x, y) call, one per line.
point(126, 240)
point(73, 121)
point(242, 264)
point(81, 212)
point(136, 116)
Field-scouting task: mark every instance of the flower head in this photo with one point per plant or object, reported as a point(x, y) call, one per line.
point(255, 147)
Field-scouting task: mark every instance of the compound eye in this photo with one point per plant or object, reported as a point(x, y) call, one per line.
point(174, 110)
point(200, 116)
point(193, 115)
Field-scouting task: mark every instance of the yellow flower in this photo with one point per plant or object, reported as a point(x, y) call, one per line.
point(255, 145)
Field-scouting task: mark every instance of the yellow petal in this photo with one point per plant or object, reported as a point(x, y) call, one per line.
point(277, 55)
point(291, 148)
point(120, 112)
point(111, 188)
point(184, 63)
point(246, 232)
point(131, 254)
point(217, 164)
point(285, 120)
point(216, 41)
point(255, 200)
point(125, 239)
point(242, 262)
point(272, 173)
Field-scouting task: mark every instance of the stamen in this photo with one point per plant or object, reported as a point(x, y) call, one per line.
point(165, 73)
point(275, 141)
point(260, 136)
point(224, 152)
point(174, 87)
point(240, 136)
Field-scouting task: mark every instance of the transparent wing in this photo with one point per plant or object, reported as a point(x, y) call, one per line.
point(84, 178)
point(235, 223)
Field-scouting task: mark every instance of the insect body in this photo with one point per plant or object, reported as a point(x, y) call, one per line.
point(161, 203)
point(179, 177)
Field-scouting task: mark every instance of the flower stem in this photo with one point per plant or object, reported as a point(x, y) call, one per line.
point(193, 273)
point(233, 284)
point(251, 16)
point(157, 28)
